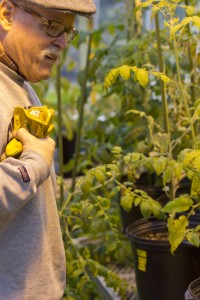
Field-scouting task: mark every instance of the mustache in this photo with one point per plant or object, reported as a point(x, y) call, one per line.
point(52, 51)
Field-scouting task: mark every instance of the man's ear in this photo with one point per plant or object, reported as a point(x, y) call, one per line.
point(6, 14)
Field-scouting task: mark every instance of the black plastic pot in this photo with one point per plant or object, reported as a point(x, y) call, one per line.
point(193, 292)
point(159, 274)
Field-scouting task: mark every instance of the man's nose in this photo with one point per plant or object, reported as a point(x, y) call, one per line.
point(61, 41)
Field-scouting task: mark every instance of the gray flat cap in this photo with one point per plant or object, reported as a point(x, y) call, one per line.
point(84, 7)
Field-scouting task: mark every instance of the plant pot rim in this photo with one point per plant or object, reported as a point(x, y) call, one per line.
point(195, 283)
point(136, 231)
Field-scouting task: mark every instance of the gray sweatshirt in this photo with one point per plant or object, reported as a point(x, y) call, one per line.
point(32, 260)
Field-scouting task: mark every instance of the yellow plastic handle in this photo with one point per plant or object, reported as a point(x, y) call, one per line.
point(13, 148)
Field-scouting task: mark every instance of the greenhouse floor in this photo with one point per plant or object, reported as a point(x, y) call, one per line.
point(128, 274)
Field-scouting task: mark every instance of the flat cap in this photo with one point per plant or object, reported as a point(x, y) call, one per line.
point(84, 7)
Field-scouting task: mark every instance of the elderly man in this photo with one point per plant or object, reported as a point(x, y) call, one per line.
point(33, 34)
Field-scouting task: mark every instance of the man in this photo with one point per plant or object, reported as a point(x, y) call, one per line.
point(33, 34)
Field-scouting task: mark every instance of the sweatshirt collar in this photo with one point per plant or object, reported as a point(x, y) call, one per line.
point(6, 60)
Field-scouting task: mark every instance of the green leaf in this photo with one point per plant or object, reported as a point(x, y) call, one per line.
point(127, 158)
point(137, 201)
point(197, 228)
point(86, 253)
point(135, 156)
point(100, 213)
point(77, 272)
point(177, 230)
point(113, 168)
point(177, 169)
point(112, 246)
point(126, 202)
point(195, 188)
point(180, 204)
point(100, 176)
point(193, 238)
point(79, 224)
point(163, 142)
point(105, 203)
point(150, 206)
point(167, 175)
point(117, 150)
point(87, 183)
point(159, 165)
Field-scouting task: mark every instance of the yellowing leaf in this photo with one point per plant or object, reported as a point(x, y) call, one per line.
point(196, 21)
point(142, 77)
point(146, 3)
point(110, 78)
point(92, 55)
point(197, 163)
point(134, 69)
point(165, 78)
point(174, 29)
point(179, 26)
point(137, 112)
point(190, 10)
point(190, 156)
point(186, 21)
point(162, 76)
point(125, 72)
point(177, 230)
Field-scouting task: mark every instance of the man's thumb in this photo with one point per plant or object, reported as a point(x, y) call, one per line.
point(21, 134)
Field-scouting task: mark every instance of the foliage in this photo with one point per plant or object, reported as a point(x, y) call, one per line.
point(93, 239)
point(164, 159)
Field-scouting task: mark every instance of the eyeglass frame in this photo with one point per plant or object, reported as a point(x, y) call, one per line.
point(69, 31)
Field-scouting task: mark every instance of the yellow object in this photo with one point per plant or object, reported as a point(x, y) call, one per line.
point(37, 120)
point(142, 259)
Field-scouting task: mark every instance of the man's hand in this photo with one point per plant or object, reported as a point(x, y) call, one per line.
point(45, 146)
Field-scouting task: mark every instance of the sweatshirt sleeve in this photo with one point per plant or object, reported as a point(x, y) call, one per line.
point(20, 179)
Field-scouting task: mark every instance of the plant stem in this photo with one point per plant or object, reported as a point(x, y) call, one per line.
point(60, 138)
point(192, 76)
point(71, 195)
point(132, 27)
point(164, 99)
point(161, 69)
point(81, 114)
point(81, 259)
point(183, 94)
point(104, 213)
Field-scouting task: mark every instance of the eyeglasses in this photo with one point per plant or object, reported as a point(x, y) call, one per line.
point(52, 28)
